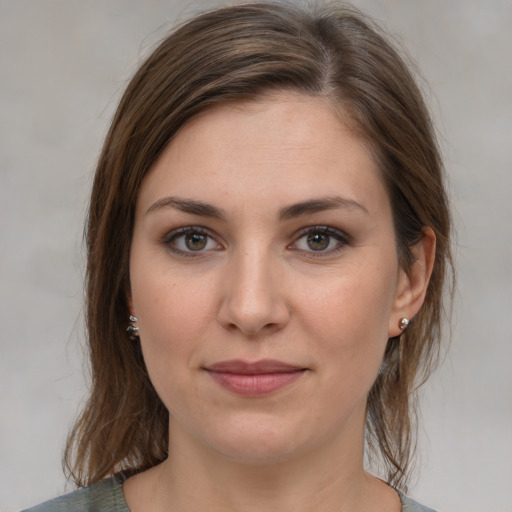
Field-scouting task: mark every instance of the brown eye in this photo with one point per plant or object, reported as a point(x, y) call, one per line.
point(191, 241)
point(196, 241)
point(318, 241)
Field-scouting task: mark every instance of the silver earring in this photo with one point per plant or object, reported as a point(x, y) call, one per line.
point(132, 330)
point(404, 322)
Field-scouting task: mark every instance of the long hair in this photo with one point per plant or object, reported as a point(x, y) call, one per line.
point(233, 54)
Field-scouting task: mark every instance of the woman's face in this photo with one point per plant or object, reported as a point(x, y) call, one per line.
point(265, 279)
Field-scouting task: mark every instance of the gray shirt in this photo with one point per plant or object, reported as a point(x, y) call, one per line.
point(107, 496)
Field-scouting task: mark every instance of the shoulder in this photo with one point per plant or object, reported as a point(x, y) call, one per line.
point(104, 496)
point(409, 505)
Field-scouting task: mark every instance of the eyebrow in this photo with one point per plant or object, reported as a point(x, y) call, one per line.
point(188, 206)
point(319, 205)
point(309, 207)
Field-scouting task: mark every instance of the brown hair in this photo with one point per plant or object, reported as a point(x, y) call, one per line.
point(239, 53)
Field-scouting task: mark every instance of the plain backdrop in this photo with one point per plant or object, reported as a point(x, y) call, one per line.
point(63, 64)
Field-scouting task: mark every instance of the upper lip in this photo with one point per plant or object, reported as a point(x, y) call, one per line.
point(263, 366)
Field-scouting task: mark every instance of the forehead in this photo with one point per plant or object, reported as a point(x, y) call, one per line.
point(284, 145)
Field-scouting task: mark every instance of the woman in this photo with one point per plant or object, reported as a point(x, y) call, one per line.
point(268, 240)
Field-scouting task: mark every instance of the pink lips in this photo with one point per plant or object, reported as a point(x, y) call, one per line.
point(254, 379)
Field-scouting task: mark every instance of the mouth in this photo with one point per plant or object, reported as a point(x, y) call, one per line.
point(254, 378)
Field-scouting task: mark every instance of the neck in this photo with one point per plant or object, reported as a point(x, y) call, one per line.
point(196, 479)
point(305, 484)
point(324, 478)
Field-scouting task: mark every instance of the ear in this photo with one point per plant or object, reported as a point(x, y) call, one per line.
point(413, 283)
point(129, 301)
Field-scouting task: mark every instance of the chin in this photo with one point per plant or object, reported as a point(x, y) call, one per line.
point(258, 441)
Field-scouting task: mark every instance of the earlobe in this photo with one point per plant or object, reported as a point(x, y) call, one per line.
point(413, 282)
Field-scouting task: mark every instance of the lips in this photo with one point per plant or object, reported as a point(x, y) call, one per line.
point(254, 378)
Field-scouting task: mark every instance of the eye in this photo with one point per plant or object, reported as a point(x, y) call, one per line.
point(190, 240)
point(321, 239)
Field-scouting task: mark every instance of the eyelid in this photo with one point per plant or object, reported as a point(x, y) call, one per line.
point(172, 235)
point(343, 239)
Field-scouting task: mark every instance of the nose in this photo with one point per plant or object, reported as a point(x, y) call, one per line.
point(253, 301)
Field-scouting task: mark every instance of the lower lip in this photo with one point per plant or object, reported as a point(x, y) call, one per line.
point(255, 384)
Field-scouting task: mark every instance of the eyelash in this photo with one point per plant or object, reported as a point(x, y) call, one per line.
point(170, 240)
point(341, 238)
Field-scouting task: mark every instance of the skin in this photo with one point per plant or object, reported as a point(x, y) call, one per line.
point(249, 284)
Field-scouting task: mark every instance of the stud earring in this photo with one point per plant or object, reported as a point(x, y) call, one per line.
point(132, 330)
point(404, 322)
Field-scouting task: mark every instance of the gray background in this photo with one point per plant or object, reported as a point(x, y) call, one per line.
point(63, 66)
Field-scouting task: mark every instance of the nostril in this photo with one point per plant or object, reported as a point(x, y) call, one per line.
point(252, 298)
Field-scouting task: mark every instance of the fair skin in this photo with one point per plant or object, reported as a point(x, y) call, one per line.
point(264, 232)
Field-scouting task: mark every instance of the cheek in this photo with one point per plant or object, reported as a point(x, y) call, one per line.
point(171, 335)
point(165, 297)
point(348, 316)
point(173, 311)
